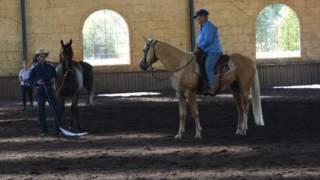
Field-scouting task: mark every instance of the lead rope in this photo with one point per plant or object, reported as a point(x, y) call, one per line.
point(61, 85)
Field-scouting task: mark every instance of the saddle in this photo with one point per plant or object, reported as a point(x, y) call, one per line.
point(221, 67)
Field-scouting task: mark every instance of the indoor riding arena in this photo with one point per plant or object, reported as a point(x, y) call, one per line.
point(130, 129)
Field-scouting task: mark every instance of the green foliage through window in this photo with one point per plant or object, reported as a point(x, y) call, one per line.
point(106, 38)
point(277, 31)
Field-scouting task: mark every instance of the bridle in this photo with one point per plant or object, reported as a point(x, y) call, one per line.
point(66, 73)
point(152, 44)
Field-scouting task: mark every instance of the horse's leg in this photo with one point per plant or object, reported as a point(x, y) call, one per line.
point(72, 116)
point(242, 102)
point(61, 106)
point(88, 81)
point(238, 102)
point(246, 107)
point(183, 114)
point(75, 111)
point(89, 86)
point(195, 114)
point(90, 92)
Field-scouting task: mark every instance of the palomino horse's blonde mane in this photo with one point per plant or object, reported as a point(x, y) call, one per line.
point(173, 46)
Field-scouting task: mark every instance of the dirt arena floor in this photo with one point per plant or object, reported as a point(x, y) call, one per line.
point(132, 138)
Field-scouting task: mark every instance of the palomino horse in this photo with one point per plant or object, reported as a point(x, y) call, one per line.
point(72, 77)
point(242, 80)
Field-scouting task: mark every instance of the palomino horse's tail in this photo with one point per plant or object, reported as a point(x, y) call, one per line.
point(256, 101)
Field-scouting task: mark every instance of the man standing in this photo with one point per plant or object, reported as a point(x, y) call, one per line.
point(43, 77)
point(26, 87)
point(208, 41)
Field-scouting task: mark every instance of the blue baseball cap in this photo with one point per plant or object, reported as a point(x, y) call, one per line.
point(201, 12)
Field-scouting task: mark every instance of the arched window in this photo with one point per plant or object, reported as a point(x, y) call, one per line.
point(277, 33)
point(106, 39)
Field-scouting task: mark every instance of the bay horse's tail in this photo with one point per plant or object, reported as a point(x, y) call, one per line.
point(256, 101)
point(88, 77)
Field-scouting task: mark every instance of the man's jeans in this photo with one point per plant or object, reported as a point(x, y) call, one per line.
point(211, 61)
point(42, 98)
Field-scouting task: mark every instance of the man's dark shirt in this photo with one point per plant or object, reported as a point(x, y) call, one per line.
point(43, 72)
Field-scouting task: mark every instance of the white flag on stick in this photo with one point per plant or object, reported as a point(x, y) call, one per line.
point(69, 133)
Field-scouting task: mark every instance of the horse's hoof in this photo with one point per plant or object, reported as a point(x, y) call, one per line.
point(178, 137)
point(90, 103)
point(241, 132)
point(198, 136)
point(182, 131)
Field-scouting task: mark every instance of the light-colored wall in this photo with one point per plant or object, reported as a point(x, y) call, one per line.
point(52, 20)
point(10, 38)
point(49, 21)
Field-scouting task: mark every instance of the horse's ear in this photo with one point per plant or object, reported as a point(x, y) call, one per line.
point(70, 42)
point(61, 42)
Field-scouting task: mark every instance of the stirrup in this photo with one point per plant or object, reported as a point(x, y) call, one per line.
point(215, 90)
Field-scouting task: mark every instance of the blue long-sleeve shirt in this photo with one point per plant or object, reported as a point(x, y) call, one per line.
point(208, 38)
point(43, 72)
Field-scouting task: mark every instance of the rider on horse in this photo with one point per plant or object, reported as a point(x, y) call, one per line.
point(208, 41)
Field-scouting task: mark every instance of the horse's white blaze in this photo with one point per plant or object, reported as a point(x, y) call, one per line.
point(256, 101)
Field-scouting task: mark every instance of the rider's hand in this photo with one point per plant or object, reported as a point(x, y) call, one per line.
point(199, 50)
point(199, 53)
point(40, 82)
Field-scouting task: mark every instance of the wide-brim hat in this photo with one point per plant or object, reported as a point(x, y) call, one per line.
point(42, 51)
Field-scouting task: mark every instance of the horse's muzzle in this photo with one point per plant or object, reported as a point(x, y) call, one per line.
point(143, 66)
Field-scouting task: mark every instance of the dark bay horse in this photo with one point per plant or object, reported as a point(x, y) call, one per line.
point(72, 76)
point(243, 81)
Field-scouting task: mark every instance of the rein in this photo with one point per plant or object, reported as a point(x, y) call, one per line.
point(151, 45)
point(174, 71)
point(63, 80)
point(179, 69)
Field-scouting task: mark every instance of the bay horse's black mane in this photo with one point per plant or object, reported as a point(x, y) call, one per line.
point(66, 55)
